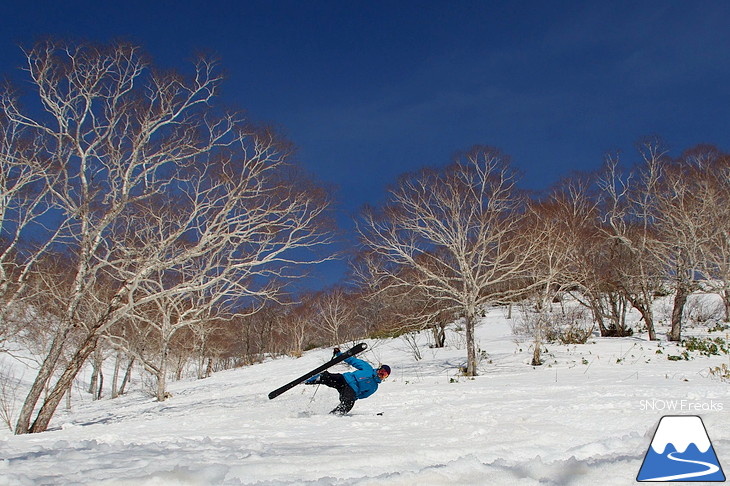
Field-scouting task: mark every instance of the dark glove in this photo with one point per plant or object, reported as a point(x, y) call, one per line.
point(335, 352)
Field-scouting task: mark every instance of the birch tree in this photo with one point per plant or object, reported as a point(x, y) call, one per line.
point(335, 313)
point(588, 256)
point(628, 222)
point(715, 252)
point(165, 316)
point(670, 220)
point(298, 325)
point(153, 180)
point(456, 229)
point(559, 222)
point(694, 216)
point(25, 182)
point(684, 206)
point(386, 310)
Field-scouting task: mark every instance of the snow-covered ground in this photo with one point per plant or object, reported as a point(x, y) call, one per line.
point(585, 418)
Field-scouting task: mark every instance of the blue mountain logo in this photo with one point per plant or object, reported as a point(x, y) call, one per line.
point(681, 451)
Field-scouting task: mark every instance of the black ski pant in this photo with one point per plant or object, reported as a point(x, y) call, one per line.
point(347, 394)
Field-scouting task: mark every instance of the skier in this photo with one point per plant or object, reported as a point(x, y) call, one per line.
point(353, 385)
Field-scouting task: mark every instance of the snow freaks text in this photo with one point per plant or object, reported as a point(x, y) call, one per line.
point(683, 405)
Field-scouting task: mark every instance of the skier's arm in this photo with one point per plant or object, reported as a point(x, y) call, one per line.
point(355, 362)
point(358, 364)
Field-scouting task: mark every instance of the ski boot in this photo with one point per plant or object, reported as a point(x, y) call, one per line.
point(315, 380)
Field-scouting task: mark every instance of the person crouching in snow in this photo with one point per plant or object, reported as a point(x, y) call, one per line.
point(354, 385)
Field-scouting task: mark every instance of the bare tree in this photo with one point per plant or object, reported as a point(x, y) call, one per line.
point(335, 313)
point(205, 347)
point(153, 181)
point(254, 336)
point(558, 222)
point(25, 189)
point(709, 213)
point(100, 139)
point(166, 316)
point(686, 204)
point(456, 228)
point(387, 310)
point(299, 326)
point(120, 357)
point(589, 256)
point(9, 385)
point(96, 385)
point(669, 219)
point(628, 222)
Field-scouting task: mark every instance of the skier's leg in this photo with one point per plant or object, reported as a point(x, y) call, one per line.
point(338, 382)
point(347, 400)
point(332, 380)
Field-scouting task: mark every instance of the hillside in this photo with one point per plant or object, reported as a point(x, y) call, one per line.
point(586, 417)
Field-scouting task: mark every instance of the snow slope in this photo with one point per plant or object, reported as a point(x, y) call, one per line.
point(585, 418)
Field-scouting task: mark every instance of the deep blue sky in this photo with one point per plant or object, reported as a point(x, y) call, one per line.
point(369, 90)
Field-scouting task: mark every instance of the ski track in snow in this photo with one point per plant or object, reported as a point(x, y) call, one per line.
point(575, 421)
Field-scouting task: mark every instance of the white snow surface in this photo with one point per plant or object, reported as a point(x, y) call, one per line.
point(586, 417)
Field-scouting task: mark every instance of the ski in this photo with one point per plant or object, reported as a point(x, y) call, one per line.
point(337, 359)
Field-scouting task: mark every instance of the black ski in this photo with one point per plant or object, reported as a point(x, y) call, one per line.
point(347, 354)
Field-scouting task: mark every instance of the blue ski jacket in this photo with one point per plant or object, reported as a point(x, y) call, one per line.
point(364, 381)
